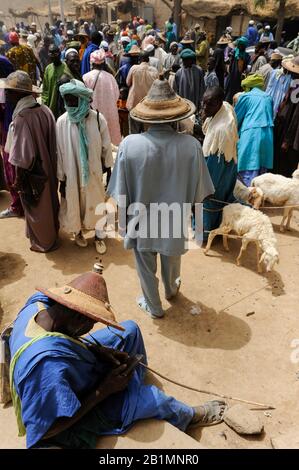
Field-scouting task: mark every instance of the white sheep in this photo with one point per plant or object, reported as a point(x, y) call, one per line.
point(280, 191)
point(250, 195)
point(252, 226)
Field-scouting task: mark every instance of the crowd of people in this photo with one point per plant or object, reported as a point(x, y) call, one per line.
point(188, 120)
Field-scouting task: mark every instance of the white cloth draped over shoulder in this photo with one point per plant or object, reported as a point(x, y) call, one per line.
point(221, 134)
point(78, 208)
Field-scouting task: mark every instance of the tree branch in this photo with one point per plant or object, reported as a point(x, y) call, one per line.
point(166, 2)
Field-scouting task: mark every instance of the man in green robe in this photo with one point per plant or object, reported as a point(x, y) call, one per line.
point(53, 73)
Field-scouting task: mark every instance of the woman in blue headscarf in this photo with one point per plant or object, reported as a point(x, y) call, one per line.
point(238, 65)
point(83, 142)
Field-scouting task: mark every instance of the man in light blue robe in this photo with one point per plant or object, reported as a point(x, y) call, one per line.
point(159, 168)
point(278, 86)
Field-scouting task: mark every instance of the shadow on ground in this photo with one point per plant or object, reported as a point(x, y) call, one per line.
point(12, 267)
point(209, 329)
point(76, 260)
point(275, 281)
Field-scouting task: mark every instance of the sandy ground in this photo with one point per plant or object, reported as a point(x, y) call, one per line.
point(221, 349)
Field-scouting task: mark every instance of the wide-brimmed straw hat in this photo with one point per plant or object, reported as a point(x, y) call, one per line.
point(292, 65)
point(112, 31)
point(19, 81)
point(276, 56)
point(187, 39)
point(81, 33)
point(134, 51)
point(88, 295)
point(162, 105)
point(224, 40)
point(161, 37)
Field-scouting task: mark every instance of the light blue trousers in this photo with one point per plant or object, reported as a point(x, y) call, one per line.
point(146, 264)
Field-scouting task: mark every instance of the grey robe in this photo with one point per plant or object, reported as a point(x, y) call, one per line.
point(35, 134)
point(159, 166)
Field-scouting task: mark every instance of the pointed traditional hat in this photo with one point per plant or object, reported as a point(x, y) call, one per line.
point(162, 105)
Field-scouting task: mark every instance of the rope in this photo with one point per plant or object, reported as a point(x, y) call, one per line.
point(261, 207)
point(261, 405)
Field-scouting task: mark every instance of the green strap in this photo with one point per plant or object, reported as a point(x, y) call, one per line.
point(15, 397)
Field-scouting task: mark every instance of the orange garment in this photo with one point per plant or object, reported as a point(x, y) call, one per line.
point(82, 48)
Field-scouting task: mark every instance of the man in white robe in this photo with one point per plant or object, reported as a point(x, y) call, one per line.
point(83, 144)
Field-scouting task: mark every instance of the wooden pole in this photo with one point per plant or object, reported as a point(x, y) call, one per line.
point(50, 13)
point(177, 10)
point(280, 20)
point(61, 5)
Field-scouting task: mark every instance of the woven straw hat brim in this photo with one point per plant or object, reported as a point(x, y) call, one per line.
point(187, 41)
point(81, 34)
point(4, 86)
point(290, 66)
point(169, 111)
point(82, 303)
point(224, 41)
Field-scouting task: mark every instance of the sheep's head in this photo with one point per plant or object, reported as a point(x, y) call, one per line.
point(270, 257)
point(295, 174)
point(255, 197)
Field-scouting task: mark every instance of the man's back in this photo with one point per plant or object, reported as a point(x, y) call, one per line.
point(160, 166)
point(254, 110)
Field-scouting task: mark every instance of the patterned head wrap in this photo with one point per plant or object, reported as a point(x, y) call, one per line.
point(98, 57)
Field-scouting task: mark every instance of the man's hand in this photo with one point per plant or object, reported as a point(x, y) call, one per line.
point(115, 381)
point(109, 355)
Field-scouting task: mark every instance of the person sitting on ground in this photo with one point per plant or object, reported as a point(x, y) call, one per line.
point(67, 389)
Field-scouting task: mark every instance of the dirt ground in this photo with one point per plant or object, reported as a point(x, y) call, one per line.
point(223, 349)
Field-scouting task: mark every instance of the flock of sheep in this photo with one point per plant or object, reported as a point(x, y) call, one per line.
point(250, 224)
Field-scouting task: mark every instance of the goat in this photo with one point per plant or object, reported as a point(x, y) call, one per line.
point(252, 226)
point(251, 195)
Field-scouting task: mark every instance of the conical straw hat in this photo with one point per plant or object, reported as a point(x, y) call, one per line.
point(162, 105)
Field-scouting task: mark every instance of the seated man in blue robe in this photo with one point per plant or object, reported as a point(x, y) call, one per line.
point(69, 390)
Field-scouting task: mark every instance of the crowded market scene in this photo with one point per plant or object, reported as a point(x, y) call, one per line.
point(149, 189)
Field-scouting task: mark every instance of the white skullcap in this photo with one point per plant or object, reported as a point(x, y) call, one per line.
point(251, 22)
point(125, 39)
point(68, 51)
point(149, 48)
